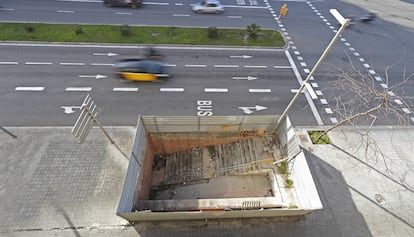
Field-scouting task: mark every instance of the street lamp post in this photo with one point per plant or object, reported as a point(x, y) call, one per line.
point(344, 23)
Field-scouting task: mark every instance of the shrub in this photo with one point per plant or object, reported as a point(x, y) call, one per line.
point(79, 31)
point(125, 31)
point(253, 31)
point(29, 28)
point(316, 139)
point(212, 32)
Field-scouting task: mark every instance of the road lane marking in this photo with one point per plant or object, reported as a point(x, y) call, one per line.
point(397, 101)
point(171, 89)
point(123, 13)
point(226, 66)
point(72, 64)
point(216, 90)
point(64, 11)
point(333, 120)
point(38, 63)
point(26, 88)
point(78, 89)
point(9, 63)
point(171, 65)
point(101, 64)
point(156, 3)
point(195, 65)
point(328, 111)
point(234, 17)
point(129, 89)
point(282, 67)
point(260, 90)
point(406, 110)
point(180, 15)
point(252, 66)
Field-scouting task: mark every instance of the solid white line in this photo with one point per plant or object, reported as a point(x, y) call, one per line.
point(9, 63)
point(282, 67)
point(195, 65)
point(227, 66)
point(78, 89)
point(24, 88)
point(307, 95)
point(72, 64)
point(260, 90)
point(215, 90)
point(125, 89)
point(38, 63)
point(249, 66)
point(101, 64)
point(63, 11)
point(172, 89)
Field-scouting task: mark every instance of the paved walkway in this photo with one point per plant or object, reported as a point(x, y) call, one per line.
point(52, 186)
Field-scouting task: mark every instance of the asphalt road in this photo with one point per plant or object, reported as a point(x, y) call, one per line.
point(44, 85)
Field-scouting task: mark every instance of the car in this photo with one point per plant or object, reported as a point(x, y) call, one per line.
point(208, 6)
point(137, 69)
point(123, 3)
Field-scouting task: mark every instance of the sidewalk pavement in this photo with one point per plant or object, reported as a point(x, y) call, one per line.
point(52, 186)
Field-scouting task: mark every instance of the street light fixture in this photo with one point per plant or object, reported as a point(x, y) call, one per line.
point(344, 23)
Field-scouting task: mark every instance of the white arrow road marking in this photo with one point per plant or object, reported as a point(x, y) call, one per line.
point(249, 110)
point(216, 90)
point(241, 56)
point(105, 54)
point(97, 76)
point(25, 88)
point(260, 90)
point(69, 109)
point(78, 89)
point(245, 78)
point(133, 89)
point(172, 89)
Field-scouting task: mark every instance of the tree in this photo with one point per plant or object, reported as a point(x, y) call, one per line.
point(253, 31)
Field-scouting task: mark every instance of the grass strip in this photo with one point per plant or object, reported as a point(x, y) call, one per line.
point(134, 35)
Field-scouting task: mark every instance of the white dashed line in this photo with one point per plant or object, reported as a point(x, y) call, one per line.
point(366, 65)
point(227, 66)
point(352, 49)
point(406, 110)
point(324, 101)
point(343, 39)
point(318, 92)
point(234, 17)
point(306, 70)
point(171, 89)
point(314, 84)
point(25, 88)
point(171, 65)
point(391, 93)
point(101, 64)
point(123, 13)
point(384, 86)
point(362, 59)
point(78, 89)
point(216, 90)
point(9, 63)
point(178, 4)
point(348, 44)
point(126, 89)
point(296, 52)
point(260, 90)
point(293, 47)
point(372, 72)
point(397, 101)
point(72, 64)
point(252, 66)
point(180, 15)
point(333, 120)
point(38, 63)
point(303, 64)
point(282, 67)
point(356, 54)
point(378, 78)
point(195, 65)
point(328, 111)
point(63, 11)
point(300, 58)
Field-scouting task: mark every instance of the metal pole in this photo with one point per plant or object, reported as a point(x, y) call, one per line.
point(318, 63)
point(6, 131)
point(109, 137)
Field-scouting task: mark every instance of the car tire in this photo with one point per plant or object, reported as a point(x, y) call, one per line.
point(135, 6)
point(108, 4)
point(218, 12)
point(199, 11)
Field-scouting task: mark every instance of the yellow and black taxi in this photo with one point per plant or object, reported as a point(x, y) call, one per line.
point(141, 69)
